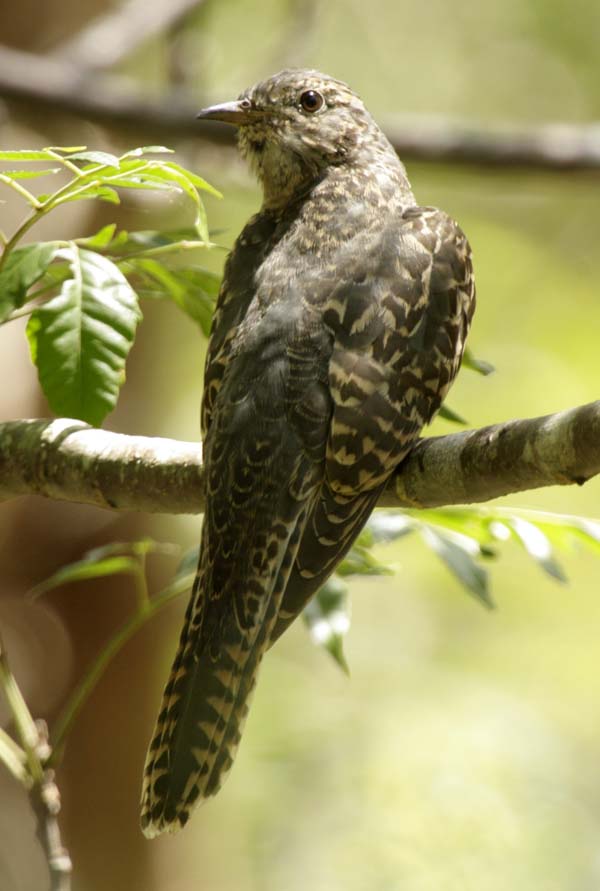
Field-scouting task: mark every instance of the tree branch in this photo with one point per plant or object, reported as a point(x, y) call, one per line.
point(69, 461)
point(57, 84)
point(111, 37)
point(30, 760)
point(45, 801)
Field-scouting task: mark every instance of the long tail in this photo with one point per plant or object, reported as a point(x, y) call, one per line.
point(198, 730)
point(205, 703)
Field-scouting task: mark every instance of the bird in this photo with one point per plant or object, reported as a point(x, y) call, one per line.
point(338, 329)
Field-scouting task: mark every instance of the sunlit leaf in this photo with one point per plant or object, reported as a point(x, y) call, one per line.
point(360, 561)
point(537, 546)
point(140, 181)
point(30, 174)
point(80, 339)
point(327, 617)
point(186, 287)
point(139, 548)
point(65, 149)
point(389, 525)
point(198, 181)
point(27, 155)
point(188, 564)
point(479, 365)
point(86, 569)
point(178, 177)
point(24, 266)
point(101, 239)
point(147, 150)
point(459, 558)
point(102, 193)
point(94, 157)
point(448, 414)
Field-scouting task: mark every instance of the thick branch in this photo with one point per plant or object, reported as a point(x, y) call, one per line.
point(69, 461)
point(57, 84)
point(114, 35)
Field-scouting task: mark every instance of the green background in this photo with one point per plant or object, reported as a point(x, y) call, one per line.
point(462, 753)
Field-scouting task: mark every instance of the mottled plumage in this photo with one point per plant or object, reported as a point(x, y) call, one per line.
point(339, 328)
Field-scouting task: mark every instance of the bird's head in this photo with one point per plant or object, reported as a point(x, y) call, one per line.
point(297, 124)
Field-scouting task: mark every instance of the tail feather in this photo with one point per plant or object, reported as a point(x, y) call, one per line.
point(330, 531)
point(199, 727)
point(206, 702)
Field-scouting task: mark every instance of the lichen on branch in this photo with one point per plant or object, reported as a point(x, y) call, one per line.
point(67, 460)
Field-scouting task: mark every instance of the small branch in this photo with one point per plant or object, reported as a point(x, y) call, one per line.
point(25, 726)
point(45, 801)
point(69, 461)
point(57, 84)
point(30, 766)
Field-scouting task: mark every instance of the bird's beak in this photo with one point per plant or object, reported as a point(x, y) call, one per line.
point(236, 113)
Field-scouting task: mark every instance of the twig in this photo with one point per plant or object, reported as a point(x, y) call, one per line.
point(29, 765)
point(45, 801)
point(58, 85)
point(69, 461)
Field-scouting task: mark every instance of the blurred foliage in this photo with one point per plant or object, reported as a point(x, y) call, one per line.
point(459, 537)
point(463, 755)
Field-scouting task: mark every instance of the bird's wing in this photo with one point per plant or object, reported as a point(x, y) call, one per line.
point(260, 477)
point(399, 316)
point(237, 292)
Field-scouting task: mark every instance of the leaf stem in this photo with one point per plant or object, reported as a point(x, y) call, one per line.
point(24, 723)
point(25, 193)
point(95, 671)
point(14, 758)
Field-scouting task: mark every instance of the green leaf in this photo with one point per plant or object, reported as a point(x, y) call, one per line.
point(537, 546)
point(327, 617)
point(449, 415)
point(26, 155)
point(85, 569)
point(146, 150)
point(25, 725)
point(103, 158)
point(177, 177)
point(30, 174)
point(198, 181)
point(479, 365)
point(457, 554)
point(139, 548)
point(183, 286)
point(24, 266)
point(470, 522)
point(588, 531)
point(360, 561)
point(148, 239)
point(387, 526)
point(188, 565)
point(80, 339)
point(101, 239)
point(102, 193)
point(65, 149)
point(94, 672)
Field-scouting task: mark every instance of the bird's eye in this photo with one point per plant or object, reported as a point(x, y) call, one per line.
point(311, 101)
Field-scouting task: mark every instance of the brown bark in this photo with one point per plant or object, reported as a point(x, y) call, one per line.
point(69, 461)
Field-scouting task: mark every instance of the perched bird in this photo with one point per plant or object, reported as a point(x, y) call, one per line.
point(339, 327)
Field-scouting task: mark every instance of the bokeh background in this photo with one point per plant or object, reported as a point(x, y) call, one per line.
point(462, 753)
